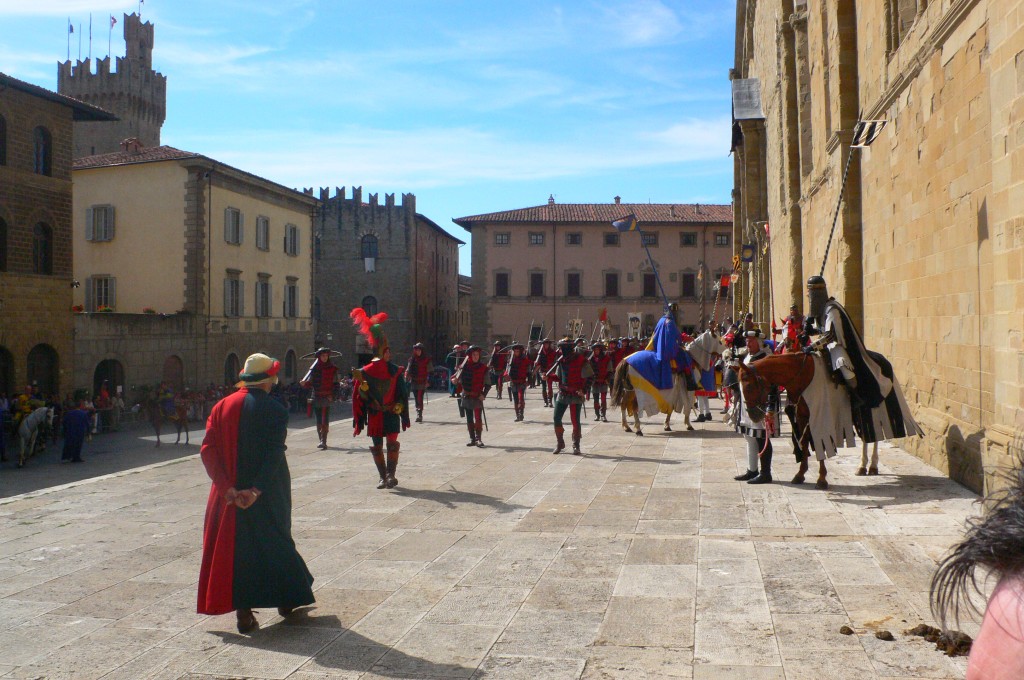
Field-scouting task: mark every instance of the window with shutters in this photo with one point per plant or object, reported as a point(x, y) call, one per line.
point(536, 284)
point(689, 285)
point(650, 285)
point(611, 284)
point(291, 240)
point(650, 238)
point(501, 284)
point(502, 238)
point(688, 239)
point(233, 226)
point(263, 233)
point(536, 238)
point(722, 239)
point(233, 295)
point(574, 238)
point(611, 239)
point(573, 284)
point(99, 223)
point(291, 298)
point(101, 293)
point(263, 302)
point(42, 249)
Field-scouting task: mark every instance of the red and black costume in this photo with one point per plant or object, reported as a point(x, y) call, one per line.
point(380, 398)
point(472, 382)
point(417, 372)
point(546, 358)
point(573, 373)
point(518, 374)
point(497, 363)
point(603, 367)
point(321, 379)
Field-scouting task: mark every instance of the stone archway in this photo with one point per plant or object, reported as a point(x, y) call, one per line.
point(110, 371)
point(44, 369)
point(174, 372)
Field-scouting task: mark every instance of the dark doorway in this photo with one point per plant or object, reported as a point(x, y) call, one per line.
point(231, 369)
point(6, 371)
point(44, 369)
point(174, 372)
point(110, 371)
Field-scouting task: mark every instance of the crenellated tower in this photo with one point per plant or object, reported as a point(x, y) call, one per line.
point(134, 92)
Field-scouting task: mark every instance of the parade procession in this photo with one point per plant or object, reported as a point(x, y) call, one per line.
point(667, 339)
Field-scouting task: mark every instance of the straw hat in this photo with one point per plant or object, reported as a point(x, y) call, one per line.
point(259, 370)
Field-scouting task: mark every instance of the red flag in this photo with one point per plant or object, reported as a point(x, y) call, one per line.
point(724, 283)
point(112, 21)
point(604, 315)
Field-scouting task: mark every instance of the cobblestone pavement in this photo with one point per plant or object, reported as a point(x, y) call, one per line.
point(640, 559)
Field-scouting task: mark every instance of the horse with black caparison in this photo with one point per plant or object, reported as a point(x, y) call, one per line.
point(795, 371)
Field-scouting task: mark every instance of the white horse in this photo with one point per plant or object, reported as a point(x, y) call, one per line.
point(31, 431)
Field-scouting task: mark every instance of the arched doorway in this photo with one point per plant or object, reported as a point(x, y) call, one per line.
point(231, 369)
point(110, 371)
point(44, 369)
point(6, 371)
point(174, 372)
point(289, 365)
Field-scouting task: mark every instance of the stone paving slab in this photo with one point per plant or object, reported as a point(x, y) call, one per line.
point(640, 559)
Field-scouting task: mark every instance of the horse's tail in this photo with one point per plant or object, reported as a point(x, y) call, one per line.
point(619, 383)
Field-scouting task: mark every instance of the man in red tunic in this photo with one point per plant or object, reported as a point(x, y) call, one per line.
point(417, 371)
point(603, 367)
point(545, 360)
point(518, 374)
point(249, 556)
point(573, 373)
point(473, 380)
point(380, 401)
point(497, 362)
point(321, 379)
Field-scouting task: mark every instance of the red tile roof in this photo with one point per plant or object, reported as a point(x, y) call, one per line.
point(605, 213)
point(143, 155)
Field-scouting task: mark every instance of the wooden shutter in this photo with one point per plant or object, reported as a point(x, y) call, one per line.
point(241, 227)
point(110, 223)
point(88, 224)
point(227, 297)
point(241, 299)
point(227, 227)
point(112, 292)
point(296, 247)
point(89, 284)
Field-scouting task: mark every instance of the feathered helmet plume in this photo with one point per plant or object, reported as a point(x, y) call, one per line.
point(370, 327)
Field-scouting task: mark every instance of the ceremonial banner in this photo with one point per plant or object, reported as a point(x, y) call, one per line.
point(627, 223)
point(650, 371)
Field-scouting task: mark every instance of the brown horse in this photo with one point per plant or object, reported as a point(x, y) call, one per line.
point(157, 417)
point(624, 396)
point(794, 372)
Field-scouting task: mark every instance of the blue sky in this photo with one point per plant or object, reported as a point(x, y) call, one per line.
point(474, 106)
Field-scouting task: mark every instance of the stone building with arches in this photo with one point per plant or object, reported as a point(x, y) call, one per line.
point(383, 258)
point(36, 274)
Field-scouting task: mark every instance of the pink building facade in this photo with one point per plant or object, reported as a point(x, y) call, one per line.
point(536, 269)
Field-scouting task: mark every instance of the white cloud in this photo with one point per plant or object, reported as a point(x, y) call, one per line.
point(65, 8)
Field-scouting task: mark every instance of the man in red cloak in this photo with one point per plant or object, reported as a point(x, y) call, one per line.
point(249, 557)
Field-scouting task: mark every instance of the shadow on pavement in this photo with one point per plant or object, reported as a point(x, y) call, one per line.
point(450, 499)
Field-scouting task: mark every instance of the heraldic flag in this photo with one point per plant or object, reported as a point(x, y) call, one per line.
point(627, 223)
point(650, 371)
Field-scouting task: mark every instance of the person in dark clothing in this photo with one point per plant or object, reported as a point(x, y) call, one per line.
point(76, 426)
point(249, 557)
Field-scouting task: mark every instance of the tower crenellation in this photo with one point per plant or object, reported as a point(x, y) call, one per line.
point(133, 91)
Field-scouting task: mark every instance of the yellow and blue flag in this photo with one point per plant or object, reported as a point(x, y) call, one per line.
point(627, 223)
point(651, 373)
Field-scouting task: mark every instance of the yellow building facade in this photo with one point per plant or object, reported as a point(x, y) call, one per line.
point(160, 232)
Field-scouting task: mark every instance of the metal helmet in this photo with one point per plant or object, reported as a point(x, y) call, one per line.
point(817, 296)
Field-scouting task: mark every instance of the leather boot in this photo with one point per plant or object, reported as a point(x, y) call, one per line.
point(560, 445)
point(746, 476)
point(472, 434)
point(480, 435)
point(576, 444)
point(597, 411)
point(392, 464)
point(419, 415)
point(323, 435)
point(766, 469)
point(378, 460)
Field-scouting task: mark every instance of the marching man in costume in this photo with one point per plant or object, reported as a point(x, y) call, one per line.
point(454, 361)
point(758, 439)
point(380, 398)
point(418, 373)
point(601, 363)
point(321, 378)
point(497, 362)
point(545, 360)
point(249, 556)
point(573, 373)
point(473, 381)
point(518, 374)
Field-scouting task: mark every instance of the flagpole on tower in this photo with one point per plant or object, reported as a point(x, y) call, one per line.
point(71, 29)
point(90, 36)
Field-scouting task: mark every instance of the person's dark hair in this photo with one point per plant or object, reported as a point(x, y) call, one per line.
point(994, 542)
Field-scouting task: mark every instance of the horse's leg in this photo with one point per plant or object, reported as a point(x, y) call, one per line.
point(156, 428)
point(636, 420)
point(805, 451)
point(873, 470)
point(686, 419)
point(668, 421)
point(625, 425)
point(822, 483)
point(863, 469)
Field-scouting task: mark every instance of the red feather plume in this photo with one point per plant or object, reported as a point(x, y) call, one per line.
point(364, 323)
